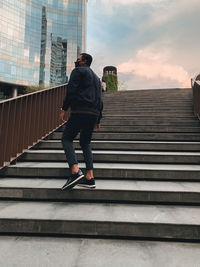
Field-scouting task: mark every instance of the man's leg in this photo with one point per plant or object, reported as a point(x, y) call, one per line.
point(88, 157)
point(85, 139)
point(70, 132)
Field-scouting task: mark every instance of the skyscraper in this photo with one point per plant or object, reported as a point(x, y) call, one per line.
point(40, 40)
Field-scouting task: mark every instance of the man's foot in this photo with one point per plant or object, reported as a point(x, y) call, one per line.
point(73, 180)
point(84, 182)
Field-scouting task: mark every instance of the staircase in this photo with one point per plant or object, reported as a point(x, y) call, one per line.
point(147, 169)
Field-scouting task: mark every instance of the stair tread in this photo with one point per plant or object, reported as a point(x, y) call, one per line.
point(122, 152)
point(101, 212)
point(105, 253)
point(103, 184)
point(129, 142)
point(125, 166)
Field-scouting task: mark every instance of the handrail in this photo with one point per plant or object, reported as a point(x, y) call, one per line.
point(196, 98)
point(25, 120)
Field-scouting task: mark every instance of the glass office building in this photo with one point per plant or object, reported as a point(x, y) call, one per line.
point(40, 40)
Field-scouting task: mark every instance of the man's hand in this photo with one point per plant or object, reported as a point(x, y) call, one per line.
point(64, 115)
point(97, 127)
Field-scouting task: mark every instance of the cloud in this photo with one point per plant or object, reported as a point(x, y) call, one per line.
point(171, 11)
point(154, 43)
point(129, 2)
point(151, 65)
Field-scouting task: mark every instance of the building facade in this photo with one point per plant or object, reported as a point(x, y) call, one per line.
point(40, 40)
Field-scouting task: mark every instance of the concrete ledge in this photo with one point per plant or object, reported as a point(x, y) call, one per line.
point(101, 170)
point(100, 229)
point(105, 253)
point(148, 129)
point(127, 145)
point(101, 195)
point(113, 156)
point(99, 219)
point(139, 136)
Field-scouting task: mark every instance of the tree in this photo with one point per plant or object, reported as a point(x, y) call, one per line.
point(111, 82)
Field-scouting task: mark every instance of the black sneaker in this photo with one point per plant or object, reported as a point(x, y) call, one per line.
point(73, 180)
point(84, 182)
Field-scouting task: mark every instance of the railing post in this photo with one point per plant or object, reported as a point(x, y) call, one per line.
point(196, 98)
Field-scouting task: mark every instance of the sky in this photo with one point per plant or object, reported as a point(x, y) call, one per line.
point(153, 43)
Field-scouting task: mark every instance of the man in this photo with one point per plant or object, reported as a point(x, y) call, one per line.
point(83, 107)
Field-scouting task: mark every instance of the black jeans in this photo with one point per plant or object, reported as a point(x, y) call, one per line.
point(83, 123)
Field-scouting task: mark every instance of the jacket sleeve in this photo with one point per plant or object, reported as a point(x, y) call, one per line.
point(72, 87)
point(101, 103)
point(100, 114)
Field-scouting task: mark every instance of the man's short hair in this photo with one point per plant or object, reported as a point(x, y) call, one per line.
point(87, 57)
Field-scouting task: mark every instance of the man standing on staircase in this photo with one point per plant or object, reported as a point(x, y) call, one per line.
point(83, 108)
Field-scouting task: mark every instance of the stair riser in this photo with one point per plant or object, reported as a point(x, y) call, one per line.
point(128, 146)
point(148, 115)
point(147, 118)
point(125, 104)
point(147, 100)
point(139, 136)
point(109, 122)
point(102, 229)
point(105, 173)
point(143, 122)
point(150, 110)
point(147, 129)
point(115, 158)
point(118, 196)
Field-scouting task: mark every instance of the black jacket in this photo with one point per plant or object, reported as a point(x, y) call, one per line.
point(84, 92)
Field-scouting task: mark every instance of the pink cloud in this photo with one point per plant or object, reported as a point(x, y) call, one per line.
point(155, 66)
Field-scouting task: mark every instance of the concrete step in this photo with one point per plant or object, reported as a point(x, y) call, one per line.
point(160, 105)
point(106, 191)
point(100, 220)
point(150, 113)
point(143, 122)
point(145, 111)
point(110, 170)
point(116, 156)
point(148, 129)
point(157, 115)
point(148, 106)
point(139, 136)
point(68, 252)
point(126, 145)
point(150, 95)
point(152, 108)
point(132, 102)
point(148, 100)
point(147, 118)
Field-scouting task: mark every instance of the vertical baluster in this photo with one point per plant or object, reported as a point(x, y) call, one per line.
point(6, 133)
point(2, 133)
point(33, 134)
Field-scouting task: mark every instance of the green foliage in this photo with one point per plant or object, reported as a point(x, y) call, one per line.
point(111, 82)
point(34, 88)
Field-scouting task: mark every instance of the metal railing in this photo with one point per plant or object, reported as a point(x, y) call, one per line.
point(196, 98)
point(27, 119)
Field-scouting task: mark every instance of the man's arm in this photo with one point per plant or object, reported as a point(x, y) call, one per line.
point(97, 127)
point(72, 86)
point(64, 115)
